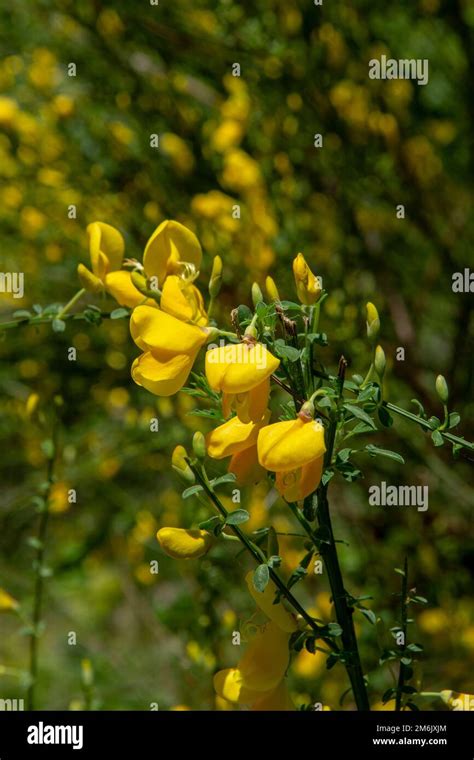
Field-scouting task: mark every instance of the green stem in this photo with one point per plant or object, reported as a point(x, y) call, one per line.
point(42, 319)
point(71, 303)
point(328, 551)
point(424, 424)
point(259, 557)
point(39, 581)
point(402, 671)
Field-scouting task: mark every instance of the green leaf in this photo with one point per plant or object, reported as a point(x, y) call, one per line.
point(356, 411)
point(261, 577)
point(191, 491)
point(286, 352)
point(22, 313)
point(420, 408)
point(454, 419)
point(119, 313)
point(211, 524)
point(437, 438)
point(334, 629)
point(58, 325)
point(369, 615)
point(389, 694)
point(229, 477)
point(375, 451)
point(349, 471)
point(37, 309)
point(434, 423)
point(274, 561)
point(385, 418)
point(344, 454)
point(237, 517)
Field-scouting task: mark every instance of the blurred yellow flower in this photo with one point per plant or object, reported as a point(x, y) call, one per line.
point(180, 543)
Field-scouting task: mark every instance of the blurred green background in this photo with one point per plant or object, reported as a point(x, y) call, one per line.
point(226, 140)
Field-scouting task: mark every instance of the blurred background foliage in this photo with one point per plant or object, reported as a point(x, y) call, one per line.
point(226, 140)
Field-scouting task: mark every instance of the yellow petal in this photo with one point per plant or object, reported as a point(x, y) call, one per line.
point(295, 485)
point(7, 602)
point(233, 436)
point(228, 685)
point(106, 247)
point(88, 280)
point(265, 660)
point(163, 378)
point(239, 367)
point(164, 335)
point(121, 287)
point(183, 300)
point(290, 444)
point(246, 467)
point(180, 543)
point(275, 701)
point(264, 601)
point(170, 244)
point(250, 406)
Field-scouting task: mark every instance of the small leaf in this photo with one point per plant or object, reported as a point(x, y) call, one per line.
point(229, 477)
point(454, 419)
point(327, 475)
point(119, 313)
point(369, 615)
point(237, 517)
point(437, 438)
point(385, 417)
point(22, 313)
point(58, 325)
point(375, 451)
point(356, 411)
point(286, 352)
point(191, 491)
point(261, 577)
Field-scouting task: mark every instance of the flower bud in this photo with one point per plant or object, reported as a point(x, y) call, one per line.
point(179, 464)
point(442, 389)
point(199, 445)
point(272, 290)
point(380, 362)
point(373, 322)
point(215, 281)
point(307, 284)
point(89, 281)
point(7, 602)
point(257, 295)
point(139, 281)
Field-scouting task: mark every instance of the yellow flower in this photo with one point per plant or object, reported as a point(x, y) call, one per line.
point(294, 450)
point(265, 660)
point(183, 300)
point(180, 543)
point(307, 285)
point(229, 685)
point(246, 467)
point(275, 701)
point(172, 249)
point(7, 602)
point(170, 347)
point(250, 406)
point(106, 248)
point(264, 600)
point(271, 288)
point(233, 437)
point(239, 367)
